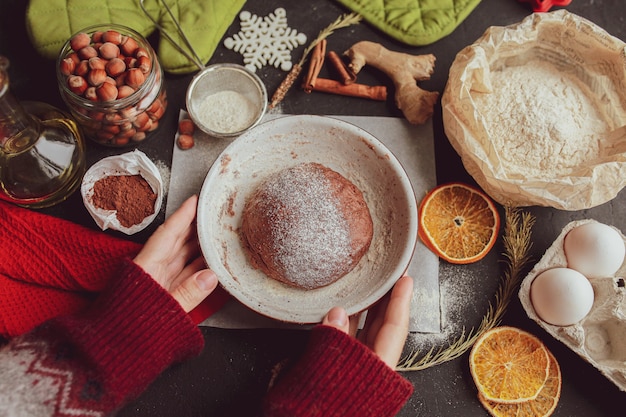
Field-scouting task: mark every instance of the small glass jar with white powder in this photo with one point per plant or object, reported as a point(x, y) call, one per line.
point(225, 100)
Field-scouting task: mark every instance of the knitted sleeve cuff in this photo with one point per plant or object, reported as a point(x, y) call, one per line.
point(134, 331)
point(338, 376)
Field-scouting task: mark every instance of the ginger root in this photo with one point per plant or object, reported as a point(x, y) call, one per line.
point(405, 70)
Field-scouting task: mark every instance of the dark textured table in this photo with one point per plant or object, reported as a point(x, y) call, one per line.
point(231, 375)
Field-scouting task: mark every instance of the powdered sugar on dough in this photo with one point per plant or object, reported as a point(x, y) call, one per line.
point(266, 40)
point(543, 122)
point(296, 229)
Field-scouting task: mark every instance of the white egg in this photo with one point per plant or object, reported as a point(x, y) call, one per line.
point(594, 249)
point(561, 296)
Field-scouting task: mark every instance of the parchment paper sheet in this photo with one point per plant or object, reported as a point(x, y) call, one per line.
point(414, 148)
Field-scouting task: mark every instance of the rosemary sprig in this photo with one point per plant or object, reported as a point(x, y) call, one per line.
point(342, 21)
point(517, 244)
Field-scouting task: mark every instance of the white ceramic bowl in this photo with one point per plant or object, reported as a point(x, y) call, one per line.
point(285, 142)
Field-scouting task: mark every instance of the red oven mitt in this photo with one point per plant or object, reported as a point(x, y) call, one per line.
point(51, 267)
point(545, 5)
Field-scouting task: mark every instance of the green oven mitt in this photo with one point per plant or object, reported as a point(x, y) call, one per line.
point(413, 22)
point(51, 23)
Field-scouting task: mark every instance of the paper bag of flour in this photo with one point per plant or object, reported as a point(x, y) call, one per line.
point(536, 110)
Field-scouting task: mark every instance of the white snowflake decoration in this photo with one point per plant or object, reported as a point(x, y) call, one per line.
point(266, 40)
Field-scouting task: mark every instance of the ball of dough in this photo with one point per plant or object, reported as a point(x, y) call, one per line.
point(306, 226)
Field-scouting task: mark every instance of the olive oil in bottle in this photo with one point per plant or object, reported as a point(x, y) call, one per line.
point(42, 150)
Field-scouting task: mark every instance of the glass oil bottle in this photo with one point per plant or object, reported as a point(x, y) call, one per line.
point(42, 150)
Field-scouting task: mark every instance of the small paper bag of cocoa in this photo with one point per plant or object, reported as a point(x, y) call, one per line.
point(123, 192)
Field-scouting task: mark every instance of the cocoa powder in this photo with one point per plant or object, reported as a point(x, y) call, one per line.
point(130, 195)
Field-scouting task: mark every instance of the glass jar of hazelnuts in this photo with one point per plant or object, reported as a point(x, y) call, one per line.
point(111, 80)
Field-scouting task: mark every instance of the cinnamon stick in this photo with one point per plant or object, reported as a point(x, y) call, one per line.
point(346, 75)
point(315, 65)
point(325, 85)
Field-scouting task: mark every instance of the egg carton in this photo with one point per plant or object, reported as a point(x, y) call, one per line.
point(600, 337)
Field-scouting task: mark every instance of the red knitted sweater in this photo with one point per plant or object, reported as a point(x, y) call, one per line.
point(338, 377)
point(90, 364)
point(51, 267)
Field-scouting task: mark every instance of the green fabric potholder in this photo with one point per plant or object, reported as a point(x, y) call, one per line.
point(51, 23)
point(413, 22)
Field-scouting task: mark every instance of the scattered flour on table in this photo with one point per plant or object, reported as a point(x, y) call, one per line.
point(544, 121)
point(458, 289)
point(165, 172)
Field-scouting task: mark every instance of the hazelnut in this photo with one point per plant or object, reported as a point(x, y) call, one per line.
point(106, 92)
point(129, 112)
point(67, 66)
point(87, 52)
point(82, 68)
point(134, 77)
point(96, 77)
point(112, 36)
point(124, 91)
point(96, 115)
point(96, 37)
point(112, 118)
point(141, 52)
point(79, 41)
point(131, 62)
point(144, 64)
point(128, 46)
point(186, 127)
point(109, 50)
point(90, 94)
point(115, 129)
point(104, 135)
point(76, 84)
point(121, 141)
point(120, 80)
point(127, 133)
point(74, 57)
point(126, 126)
point(141, 120)
point(115, 67)
point(96, 63)
point(156, 110)
point(185, 142)
point(146, 127)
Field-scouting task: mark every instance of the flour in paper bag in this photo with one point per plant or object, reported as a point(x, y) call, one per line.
point(544, 122)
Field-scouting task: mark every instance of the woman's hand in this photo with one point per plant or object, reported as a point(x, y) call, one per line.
point(387, 323)
point(171, 256)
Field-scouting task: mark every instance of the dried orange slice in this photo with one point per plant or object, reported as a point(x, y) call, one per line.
point(542, 406)
point(509, 365)
point(458, 222)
